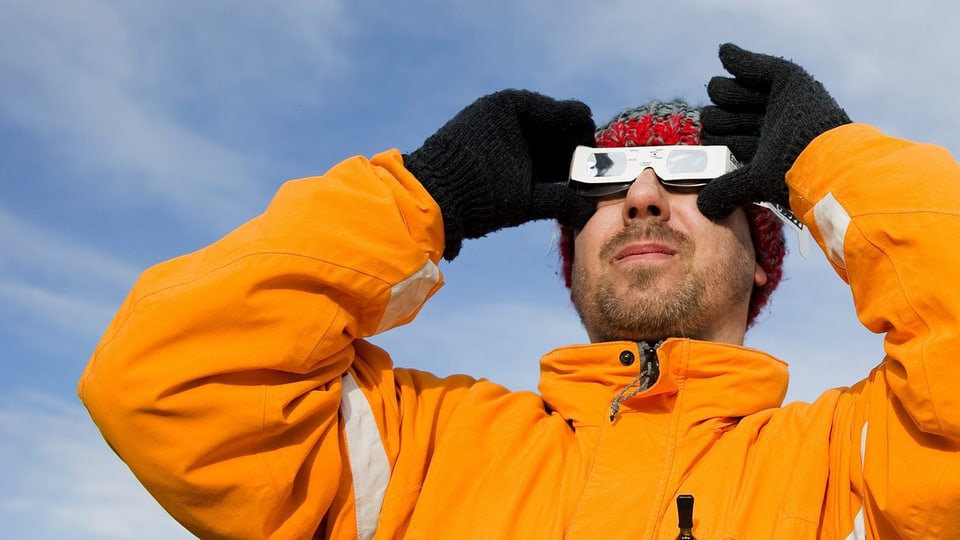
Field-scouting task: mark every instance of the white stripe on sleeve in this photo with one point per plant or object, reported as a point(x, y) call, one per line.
point(832, 221)
point(407, 296)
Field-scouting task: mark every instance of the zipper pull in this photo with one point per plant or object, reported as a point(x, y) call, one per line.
point(685, 513)
point(649, 373)
point(650, 363)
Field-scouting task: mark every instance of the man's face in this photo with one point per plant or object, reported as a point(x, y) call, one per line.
point(649, 265)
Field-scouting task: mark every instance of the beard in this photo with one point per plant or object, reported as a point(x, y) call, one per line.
point(653, 302)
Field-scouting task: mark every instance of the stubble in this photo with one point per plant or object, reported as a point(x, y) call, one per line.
point(651, 302)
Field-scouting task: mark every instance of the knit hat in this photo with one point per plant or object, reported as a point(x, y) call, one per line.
point(667, 123)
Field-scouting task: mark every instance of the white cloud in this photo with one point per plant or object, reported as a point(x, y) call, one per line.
point(53, 278)
point(32, 249)
point(888, 63)
point(128, 94)
point(61, 480)
point(62, 313)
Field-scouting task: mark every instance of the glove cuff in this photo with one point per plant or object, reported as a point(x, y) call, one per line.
point(430, 176)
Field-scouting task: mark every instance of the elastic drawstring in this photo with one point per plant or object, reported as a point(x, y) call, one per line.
point(649, 373)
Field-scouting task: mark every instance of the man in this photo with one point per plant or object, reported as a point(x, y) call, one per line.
point(647, 221)
point(237, 385)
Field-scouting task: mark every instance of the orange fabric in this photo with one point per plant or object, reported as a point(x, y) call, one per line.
point(218, 383)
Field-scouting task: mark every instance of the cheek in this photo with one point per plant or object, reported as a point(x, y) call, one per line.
point(586, 246)
point(726, 244)
point(740, 227)
point(581, 254)
point(601, 225)
point(731, 233)
point(586, 249)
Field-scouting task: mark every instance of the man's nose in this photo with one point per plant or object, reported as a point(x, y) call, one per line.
point(646, 199)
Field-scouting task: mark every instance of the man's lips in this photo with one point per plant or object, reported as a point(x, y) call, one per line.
point(644, 250)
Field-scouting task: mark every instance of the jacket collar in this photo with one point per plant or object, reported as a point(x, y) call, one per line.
point(716, 380)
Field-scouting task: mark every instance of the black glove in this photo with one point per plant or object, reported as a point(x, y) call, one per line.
point(767, 114)
point(502, 161)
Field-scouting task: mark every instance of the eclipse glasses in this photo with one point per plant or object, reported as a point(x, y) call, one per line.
point(597, 172)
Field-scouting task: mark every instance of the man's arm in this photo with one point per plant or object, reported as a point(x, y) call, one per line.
point(889, 205)
point(219, 380)
point(887, 214)
point(220, 383)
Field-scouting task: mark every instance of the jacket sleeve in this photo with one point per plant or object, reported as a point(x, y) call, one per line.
point(219, 380)
point(887, 214)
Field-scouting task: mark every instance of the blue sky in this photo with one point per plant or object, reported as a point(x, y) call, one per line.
point(132, 132)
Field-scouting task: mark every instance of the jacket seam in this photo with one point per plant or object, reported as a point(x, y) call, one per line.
point(604, 426)
point(140, 300)
point(670, 457)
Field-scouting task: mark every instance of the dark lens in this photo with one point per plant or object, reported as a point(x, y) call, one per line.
point(683, 186)
point(684, 182)
point(598, 190)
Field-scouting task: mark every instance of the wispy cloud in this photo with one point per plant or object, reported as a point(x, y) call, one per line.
point(61, 480)
point(32, 249)
point(128, 94)
point(888, 66)
point(56, 279)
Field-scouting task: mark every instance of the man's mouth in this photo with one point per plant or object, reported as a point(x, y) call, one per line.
point(644, 251)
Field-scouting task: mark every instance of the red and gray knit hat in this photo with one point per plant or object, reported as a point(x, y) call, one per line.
point(668, 123)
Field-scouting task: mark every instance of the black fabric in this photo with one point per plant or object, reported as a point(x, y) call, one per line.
point(502, 161)
point(767, 113)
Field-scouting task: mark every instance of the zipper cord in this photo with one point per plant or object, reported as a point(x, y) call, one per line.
point(649, 373)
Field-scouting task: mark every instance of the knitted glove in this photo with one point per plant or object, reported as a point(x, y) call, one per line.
point(502, 161)
point(767, 114)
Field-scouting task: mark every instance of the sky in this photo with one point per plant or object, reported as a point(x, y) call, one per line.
point(132, 132)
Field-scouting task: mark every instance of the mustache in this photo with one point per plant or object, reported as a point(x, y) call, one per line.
point(655, 231)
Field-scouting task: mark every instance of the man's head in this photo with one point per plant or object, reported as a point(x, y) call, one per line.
point(648, 265)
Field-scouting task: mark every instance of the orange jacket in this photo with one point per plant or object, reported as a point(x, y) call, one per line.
point(237, 385)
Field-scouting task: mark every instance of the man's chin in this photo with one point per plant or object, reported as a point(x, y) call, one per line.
point(648, 334)
point(648, 278)
point(639, 295)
